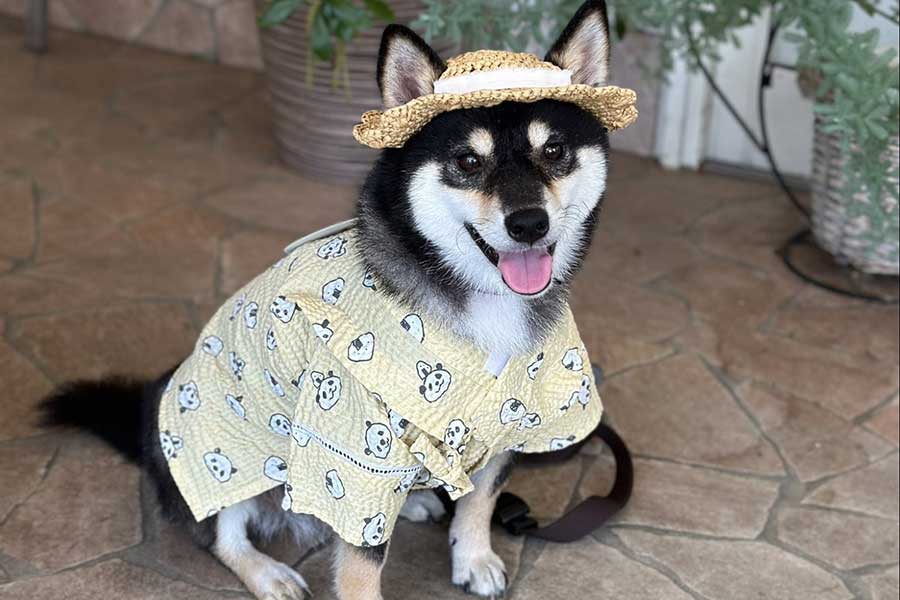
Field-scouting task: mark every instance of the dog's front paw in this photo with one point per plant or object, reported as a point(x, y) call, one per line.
point(277, 581)
point(482, 574)
point(423, 506)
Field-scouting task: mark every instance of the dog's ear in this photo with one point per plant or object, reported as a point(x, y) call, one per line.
point(407, 66)
point(583, 46)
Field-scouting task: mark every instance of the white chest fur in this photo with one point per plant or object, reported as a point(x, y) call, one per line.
point(497, 324)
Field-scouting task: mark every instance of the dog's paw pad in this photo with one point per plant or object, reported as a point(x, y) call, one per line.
point(482, 575)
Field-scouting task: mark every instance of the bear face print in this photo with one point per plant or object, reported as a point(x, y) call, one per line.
point(251, 315)
point(378, 439)
point(188, 396)
point(455, 434)
point(560, 443)
point(533, 368)
point(283, 309)
point(580, 396)
point(362, 348)
point(511, 410)
point(572, 360)
point(237, 307)
point(398, 423)
point(273, 383)
point(271, 342)
point(170, 444)
point(331, 291)
point(219, 465)
point(300, 435)
point(373, 532)
point(369, 280)
point(235, 403)
point(287, 501)
point(328, 389)
point(275, 468)
point(280, 424)
point(529, 421)
point(169, 384)
point(413, 325)
point(212, 345)
point(236, 364)
point(435, 381)
point(334, 485)
point(298, 381)
point(323, 331)
point(333, 248)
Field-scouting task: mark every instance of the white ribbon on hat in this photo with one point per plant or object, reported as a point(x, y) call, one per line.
point(503, 79)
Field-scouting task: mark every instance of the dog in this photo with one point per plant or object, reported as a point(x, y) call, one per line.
point(440, 221)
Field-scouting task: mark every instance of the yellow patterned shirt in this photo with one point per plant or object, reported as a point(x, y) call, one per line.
point(310, 378)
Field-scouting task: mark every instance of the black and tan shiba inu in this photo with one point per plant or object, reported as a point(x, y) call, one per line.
point(480, 221)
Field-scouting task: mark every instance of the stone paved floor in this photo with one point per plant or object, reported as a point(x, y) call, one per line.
point(139, 189)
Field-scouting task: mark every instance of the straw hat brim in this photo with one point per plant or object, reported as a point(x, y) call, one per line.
point(613, 106)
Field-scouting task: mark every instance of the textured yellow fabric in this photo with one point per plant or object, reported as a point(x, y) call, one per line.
point(613, 106)
point(311, 379)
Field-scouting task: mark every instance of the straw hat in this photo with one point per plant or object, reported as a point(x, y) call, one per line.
point(487, 78)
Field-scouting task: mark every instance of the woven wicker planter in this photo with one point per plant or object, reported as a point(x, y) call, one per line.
point(313, 123)
point(850, 238)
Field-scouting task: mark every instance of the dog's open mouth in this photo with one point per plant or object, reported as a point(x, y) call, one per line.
point(527, 272)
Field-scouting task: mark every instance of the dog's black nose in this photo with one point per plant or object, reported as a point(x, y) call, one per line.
point(529, 225)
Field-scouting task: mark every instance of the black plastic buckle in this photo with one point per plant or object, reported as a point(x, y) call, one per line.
point(511, 513)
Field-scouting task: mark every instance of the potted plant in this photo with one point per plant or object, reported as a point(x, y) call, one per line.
point(855, 85)
point(320, 58)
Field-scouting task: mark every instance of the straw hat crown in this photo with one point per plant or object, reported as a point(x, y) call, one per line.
point(487, 78)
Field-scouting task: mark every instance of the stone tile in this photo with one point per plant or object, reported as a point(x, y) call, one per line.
point(237, 35)
point(749, 232)
point(868, 332)
point(689, 499)
point(547, 489)
point(290, 204)
point(127, 265)
point(737, 570)
point(248, 254)
point(615, 258)
point(26, 294)
point(874, 490)
point(125, 23)
point(883, 586)
point(419, 553)
point(137, 338)
point(29, 385)
point(17, 228)
point(814, 441)
point(847, 385)
point(845, 541)
point(589, 569)
point(165, 106)
point(93, 493)
point(69, 225)
point(25, 464)
point(181, 27)
point(110, 579)
point(886, 422)
point(677, 409)
point(612, 330)
point(724, 292)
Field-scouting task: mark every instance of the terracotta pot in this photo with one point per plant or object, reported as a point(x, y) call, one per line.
point(313, 122)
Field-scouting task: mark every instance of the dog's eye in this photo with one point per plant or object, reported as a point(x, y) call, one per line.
point(468, 162)
point(553, 151)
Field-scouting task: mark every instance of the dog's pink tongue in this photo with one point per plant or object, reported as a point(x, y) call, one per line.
point(526, 272)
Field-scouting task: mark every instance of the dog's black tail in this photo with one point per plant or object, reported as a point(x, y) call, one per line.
point(113, 409)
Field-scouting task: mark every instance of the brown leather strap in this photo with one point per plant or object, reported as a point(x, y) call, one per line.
point(591, 513)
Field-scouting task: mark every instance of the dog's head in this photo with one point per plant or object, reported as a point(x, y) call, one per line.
point(502, 199)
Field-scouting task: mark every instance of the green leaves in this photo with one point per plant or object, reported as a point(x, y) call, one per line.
point(278, 12)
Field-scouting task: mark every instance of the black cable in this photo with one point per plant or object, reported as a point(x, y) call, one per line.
point(763, 145)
